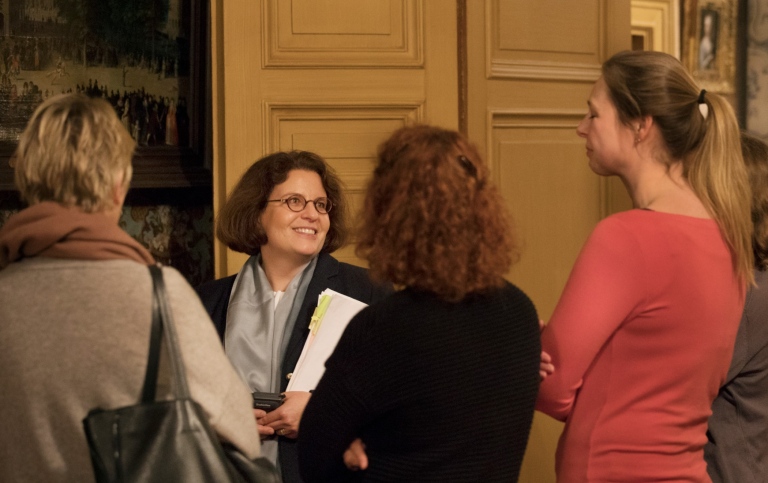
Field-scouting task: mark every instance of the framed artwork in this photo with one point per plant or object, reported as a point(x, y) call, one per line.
point(709, 43)
point(147, 58)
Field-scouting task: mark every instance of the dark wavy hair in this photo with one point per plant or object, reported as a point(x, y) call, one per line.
point(238, 224)
point(755, 154)
point(432, 220)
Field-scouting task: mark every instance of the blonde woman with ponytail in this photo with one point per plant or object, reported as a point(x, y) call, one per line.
point(643, 334)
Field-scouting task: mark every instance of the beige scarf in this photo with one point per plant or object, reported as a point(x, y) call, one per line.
point(49, 229)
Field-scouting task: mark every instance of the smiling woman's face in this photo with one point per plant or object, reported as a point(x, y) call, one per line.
point(295, 236)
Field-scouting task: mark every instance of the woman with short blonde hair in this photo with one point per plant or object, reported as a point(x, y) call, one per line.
point(76, 302)
point(74, 152)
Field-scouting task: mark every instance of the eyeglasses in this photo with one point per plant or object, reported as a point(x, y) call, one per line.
point(297, 203)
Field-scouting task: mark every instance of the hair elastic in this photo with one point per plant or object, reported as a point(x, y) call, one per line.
point(468, 166)
point(703, 106)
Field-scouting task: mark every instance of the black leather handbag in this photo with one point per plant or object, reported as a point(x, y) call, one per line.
point(165, 441)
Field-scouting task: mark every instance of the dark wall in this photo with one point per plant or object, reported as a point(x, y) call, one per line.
point(175, 225)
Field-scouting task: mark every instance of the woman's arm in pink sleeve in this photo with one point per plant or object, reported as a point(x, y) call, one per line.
point(604, 287)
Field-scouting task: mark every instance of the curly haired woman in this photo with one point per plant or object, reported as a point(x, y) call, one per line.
point(439, 380)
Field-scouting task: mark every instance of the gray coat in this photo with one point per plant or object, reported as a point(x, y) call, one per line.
point(737, 450)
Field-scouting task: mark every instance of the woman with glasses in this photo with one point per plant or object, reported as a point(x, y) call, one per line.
point(288, 213)
point(437, 382)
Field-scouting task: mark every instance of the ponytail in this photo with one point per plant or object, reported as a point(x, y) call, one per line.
point(716, 171)
point(698, 128)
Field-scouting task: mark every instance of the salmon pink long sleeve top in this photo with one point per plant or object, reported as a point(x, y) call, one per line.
point(641, 340)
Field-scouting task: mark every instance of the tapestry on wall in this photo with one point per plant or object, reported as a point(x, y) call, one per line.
point(180, 237)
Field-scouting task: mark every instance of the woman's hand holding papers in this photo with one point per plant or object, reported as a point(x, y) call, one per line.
point(284, 421)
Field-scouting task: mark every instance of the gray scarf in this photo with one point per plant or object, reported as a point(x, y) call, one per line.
point(257, 332)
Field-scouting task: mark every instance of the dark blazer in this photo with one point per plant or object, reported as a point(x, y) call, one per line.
point(329, 273)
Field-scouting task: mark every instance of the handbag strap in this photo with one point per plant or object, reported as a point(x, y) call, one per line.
point(155, 337)
point(162, 321)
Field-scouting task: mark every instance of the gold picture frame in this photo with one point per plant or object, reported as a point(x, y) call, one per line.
point(709, 43)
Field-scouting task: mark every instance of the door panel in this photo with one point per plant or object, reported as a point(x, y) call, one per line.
point(337, 76)
point(331, 76)
point(531, 66)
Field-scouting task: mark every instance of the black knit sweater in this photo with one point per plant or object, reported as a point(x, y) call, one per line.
point(437, 391)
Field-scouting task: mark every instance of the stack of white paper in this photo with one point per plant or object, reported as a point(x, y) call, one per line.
point(333, 313)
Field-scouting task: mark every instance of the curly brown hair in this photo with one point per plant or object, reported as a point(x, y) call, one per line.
point(238, 224)
point(432, 220)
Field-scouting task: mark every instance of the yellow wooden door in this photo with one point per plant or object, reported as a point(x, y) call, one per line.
point(531, 66)
point(335, 77)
